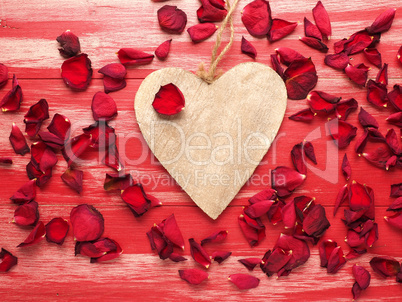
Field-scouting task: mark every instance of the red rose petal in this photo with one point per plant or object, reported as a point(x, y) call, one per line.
point(6, 160)
point(326, 249)
point(193, 276)
point(243, 281)
point(112, 158)
point(357, 74)
point(289, 215)
point(353, 239)
point(316, 222)
point(248, 48)
point(7, 260)
point(399, 55)
point(37, 113)
point(169, 100)
point(342, 132)
point(258, 209)
point(131, 56)
point(201, 32)
point(356, 291)
point(346, 168)
point(297, 158)
point(75, 147)
point(111, 84)
point(395, 97)
point(103, 249)
point(336, 260)
point(285, 180)
point(87, 222)
point(163, 50)
point(13, 99)
point(110, 254)
point(300, 250)
point(137, 200)
point(395, 220)
point(220, 256)
point(393, 141)
point(371, 236)
point(114, 70)
point(37, 234)
point(341, 197)
point(366, 119)
point(344, 108)
point(382, 76)
point(51, 140)
point(355, 253)
point(288, 55)
point(321, 18)
point(314, 43)
point(60, 126)
point(358, 42)
point(18, 141)
point(42, 156)
point(176, 257)
point(396, 205)
point(385, 266)
point(57, 230)
point(256, 17)
point(310, 30)
point(159, 243)
point(117, 182)
point(70, 44)
point(199, 254)
point(383, 22)
point(102, 135)
point(73, 178)
point(171, 19)
point(172, 232)
point(395, 119)
point(276, 65)
point(3, 75)
point(250, 263)
point(376, 94)
point(280, 29)
point(305, 115)
point(373, 56)
point(320, 101)
point(215, 237)
point(26, 214)
point(103, 107)
point(338, 60)
point(253, 233)
point(359, 197)
point(301, 77)
point(77, 72)
point(276, 261)
point(211, 11)
point(380, 157)
point(40, 177)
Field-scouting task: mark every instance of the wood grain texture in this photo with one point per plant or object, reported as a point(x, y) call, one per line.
point(48, 272)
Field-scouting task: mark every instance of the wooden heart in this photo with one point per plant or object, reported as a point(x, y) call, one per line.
point(213, 146)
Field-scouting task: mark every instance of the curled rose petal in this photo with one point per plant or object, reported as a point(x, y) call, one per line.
point(6, 160)
point(193, 276)
point(176, 257)
point(395, 220)
point(117, 182)
point(297, 158)
point(76, 147)
point(393, 141)
point(132, 56)
point(250, 263)
point(102, 249)
point(3, 75)
point(309, 151)
point(320, 101)
point(289, 215)
point(377, 94)
point(215, 237)
point(371, 236)
point(201, 31)
point(103, 107)
point(163, 50)
point(356, 291)
point(395, 97)
point(338, 60)
point(73, 178)
point(26, 214)
point(305, 115)
point(336, 260)
point(276, 65)
point(383, 22)
point(137, 200)
point(211, 11)
point(300, 78)
point(310, 30)
point(70, 44)
point(37, 113)
point(111, 253)
point(341, 197)
point(18, 141)
point(326, 249)
point(395, 119)
point(344, 108)
point(42, 156)
point(346, 167)
point(314, 43)
point(172, 232)
point(102, 135)
point(267, 194)
point(169, 100)
point(358, 42)
point(361, 275)
point(114, 70)
point(111, 84)
point(285, 180)
point(37, 234)
point(353, 239)
point(60, 126)
point(77, 72)
point(359, 197)
point(51, 140)
point(396, 206)
point(276, 261)
point(248, 48)
point(373, 56)
point(244, 281)
point(57, 230)
point(342, 132)
point(316, 222)
point(159, 243)
point(172, 19)
point(112, 158)
point(366, 119)
point(256, 17)
point(7, 260)
point(199, 254)
point(321, 18)
point(87, 222)
point(252, 229)
point(288, 55)
point(280, 29)
point(357, 74)
point(38, 176)
point(382, 76)
point(258, 209)
point(300, 250)
point(220, 256)
point(385, 266)
point(13, 99)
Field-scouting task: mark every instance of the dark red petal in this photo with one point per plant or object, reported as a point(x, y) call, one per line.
point(77, 72)
point(131, 56)
point(289, 215)
point(13, 99)
point(211, 11)
point(248, 48)
point(326, 249)
point(359, 41)
point(342, 132)
point(201, 31)
point(336, 260)
point(338, 60)
point(353, 239)
point(215, 237)
point(285, 180)
point(70, 44)
point(3, 75)
point(135, 197)
point(399, 55)
point(37, 234)
point(362, 142)
point(393, 141)
point(299, 67)
point(356, 291)
point(176, 257)
point(172, 232)
point(220, 256)
point(305, 115)
point(341, 197)
point(320, 101)
point(163, 50)
point(276, 65)
point(111, 253)
point(267, 194)
point(395, 119)
point(371, 236)
point(87, 222)
point(60, 126)
point(396, 190)
point(258, 209)
point(253, 233)
point(31, 129)
point(314, 43)
point(357, 74)
point(18, 141)
point(339, 46)
point(102, 135)
point(256, 17)
point(112, 158)
point(37, 113)
point(366, 119)
point(385, 266)
point(193, 276)
point(321, 18)
point(381, 156)
point(250, 263)
point(395, 97)
point(297, 158)
point(6, 160)
point(382, 76)
point(7, 260)
point(373, 56)
point(276, 261)
point(344, 108)
point(301, 77)
point(310, 30)
point(383, 22)
point(169, 100)
point(300, 250)
point(159, 243)
point(42, 156)
point(288, 55)
point(114, 70)
point(359, 197)
point(199, 254)
point(399, 275)
point(103, 107)
point(355, 253)
point(57, 230)
point(40, 177)
point(171, 19)
point(73, 178)
point(280, 29)
point(395, 220)
point(309, 151)
point(51, 140)
point(111, 84)
point(117, 182)
point(75, 147)
point(396, 206)
point(26, 214)
point(346, 168)
point(243, 281)
point(100, 250)
point(377, 94)
point(316, 222)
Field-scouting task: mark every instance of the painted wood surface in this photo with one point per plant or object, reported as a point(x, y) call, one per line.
point(48, 272)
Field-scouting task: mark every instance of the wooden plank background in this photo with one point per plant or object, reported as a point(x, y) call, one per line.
point(49, 272)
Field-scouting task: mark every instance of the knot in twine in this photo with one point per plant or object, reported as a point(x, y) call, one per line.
point(210, 75)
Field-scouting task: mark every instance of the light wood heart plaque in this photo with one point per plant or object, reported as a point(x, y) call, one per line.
point(213, 146)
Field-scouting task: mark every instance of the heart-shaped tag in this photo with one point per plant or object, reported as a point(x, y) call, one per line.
point(213, 146)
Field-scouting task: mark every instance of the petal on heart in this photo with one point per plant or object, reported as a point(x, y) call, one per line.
point(309, 151)
point(288, 55)
point(256, 17)
point(252, 229)
point(244, 281)
point(383, 22)
point(344, 108)
point(132, 56)
point(346, 167)
point(163, 50)
point(395, 119)
point(76, 147)
point(321, 101)
point(280, 29)
point(258, 209)
point(305, 115)
point(314, 43)
point(211, 11)
point(193, 275)
point(26, 214)
point(169, 100)
point(201, 31)
point(37, 113)
point(117, 182)
point(395, 220)
point(248, 48)
point(38, 176)
point(7, 260)
point(176, 257)
point(215, 237)
point(297, 158)
point(60, 126)
point(199, 254)
point(338, 60)
point(300, 78)
point(316, 223)
point(171, 19)
point(87, 222)
point(357, 73)
point(385, 266)
point(336, 260)
point(373, 56)
point(70, 44)
point(73, 178)
point(326, 248)
point(311, 30)
point(42, 156)
point(103, 107)
point(18, 141)
point(250, 263)
point(57, 230)
point(321, 18)
point(396, 205)
point(395, 97)
point(342, 132)
point(341, 197)
point(366, 119)
point(36, 235)
point(13, 99)
point(276, 65)
point(285, 180)
point(137, 200)
point(114, 70)
point(382, 76)
point(77, 72)
point(3, 75)
point(220, 256)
